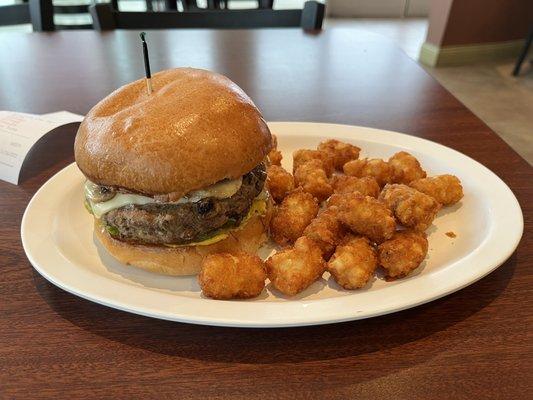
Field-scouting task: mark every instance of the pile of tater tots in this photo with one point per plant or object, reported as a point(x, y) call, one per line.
point(338, 213)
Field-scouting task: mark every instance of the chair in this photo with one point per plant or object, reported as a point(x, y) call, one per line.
point(15, 14)
point(42, 14)
point(523, 53)
point(37, 12)
point(308, 18)
point(223, 4)
point(44, 10)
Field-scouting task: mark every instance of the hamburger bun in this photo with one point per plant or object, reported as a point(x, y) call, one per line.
point(185, 260)
point(195, 129)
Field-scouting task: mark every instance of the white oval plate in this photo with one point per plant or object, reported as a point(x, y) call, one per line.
point(57, 234)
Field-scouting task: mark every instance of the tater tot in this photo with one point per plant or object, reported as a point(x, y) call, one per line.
point(312, 177)
point(292, 216)
point(366, 216)
point(446, 189)
point(339, 152)
point(304, 155)
point(326, 231)
point(294, 269)
point(275, 157)
point(232, 276)
point(354, 167)
point(405, 168)
point(353, 263)
point(337, 199)
point(367, 185)
point(411, 208)
point(374, 167)
point(279, 182)
point(403, 253)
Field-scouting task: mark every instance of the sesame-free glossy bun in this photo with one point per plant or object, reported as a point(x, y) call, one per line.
point(195, 129)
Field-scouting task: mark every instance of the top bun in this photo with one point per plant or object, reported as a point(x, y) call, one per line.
point(195, 129)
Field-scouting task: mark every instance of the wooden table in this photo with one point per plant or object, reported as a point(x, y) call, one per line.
point(473, 344)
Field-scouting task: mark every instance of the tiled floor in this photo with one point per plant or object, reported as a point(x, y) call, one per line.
point(505, 103)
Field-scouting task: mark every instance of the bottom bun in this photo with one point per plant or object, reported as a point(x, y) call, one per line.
point(185, 260)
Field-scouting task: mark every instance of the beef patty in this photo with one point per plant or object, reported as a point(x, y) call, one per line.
point(172, 223)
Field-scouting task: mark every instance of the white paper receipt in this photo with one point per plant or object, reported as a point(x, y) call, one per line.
point(19, 132)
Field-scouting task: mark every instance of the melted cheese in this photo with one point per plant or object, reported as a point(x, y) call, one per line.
point(220, 190)
point(120, 200)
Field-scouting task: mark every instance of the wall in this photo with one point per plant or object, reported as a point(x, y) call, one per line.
point(377, 8)
point(484, 21)
point(460, 22)
point(439, 12)
point(417, 8)
point(470, 31)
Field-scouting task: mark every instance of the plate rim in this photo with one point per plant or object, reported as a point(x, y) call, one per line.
point(296, 320)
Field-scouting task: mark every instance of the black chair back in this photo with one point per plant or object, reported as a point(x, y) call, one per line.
point(65, 10)
point(308, 18)
point(223, 4)
point(42, 15)
point(14, 14)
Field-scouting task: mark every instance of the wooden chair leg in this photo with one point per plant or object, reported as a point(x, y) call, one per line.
point(523, 54)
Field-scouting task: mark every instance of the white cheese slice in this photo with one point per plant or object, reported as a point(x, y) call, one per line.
point(219, 190)
point(118, 201)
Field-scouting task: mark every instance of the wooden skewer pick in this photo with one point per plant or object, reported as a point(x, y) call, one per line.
point(146, 63)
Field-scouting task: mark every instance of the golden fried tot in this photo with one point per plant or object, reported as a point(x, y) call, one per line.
point(446, 189)
point(374, 167)
point(367, 185)
point(337, 199)
point(366, 216)
point(339, 152)
point(412, 209)
point(279, 182)
point(403, 253)
point(292, 216)
point(355, 167)
point(302, 156)
point(275, 157)
point(405, 168)
point(312, 177)
point(227, 276)
point(353, 263)
point(326, 231)
point(295, 269)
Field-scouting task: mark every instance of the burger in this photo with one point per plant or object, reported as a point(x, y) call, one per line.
point(177, 174)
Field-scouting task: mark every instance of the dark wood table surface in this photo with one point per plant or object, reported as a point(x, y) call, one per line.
point(473, 344)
